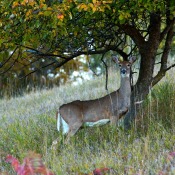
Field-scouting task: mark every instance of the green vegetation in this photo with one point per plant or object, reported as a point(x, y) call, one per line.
point(53, 38)
point(28, 124)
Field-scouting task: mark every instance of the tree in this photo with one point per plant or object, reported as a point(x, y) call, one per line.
point(69, 28)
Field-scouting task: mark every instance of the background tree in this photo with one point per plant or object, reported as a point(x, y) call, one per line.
point(63, 30)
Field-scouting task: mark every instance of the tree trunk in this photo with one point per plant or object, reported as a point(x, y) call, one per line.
point(148, 50)
point(141, 89)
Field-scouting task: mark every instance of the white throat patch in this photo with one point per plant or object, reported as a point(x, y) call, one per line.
point(125, 75)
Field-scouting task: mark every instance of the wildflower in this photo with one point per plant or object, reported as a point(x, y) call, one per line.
point(31, 165)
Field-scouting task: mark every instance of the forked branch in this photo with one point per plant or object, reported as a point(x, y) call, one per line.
point(13, 63)
point(3, 64)
point(164, 58)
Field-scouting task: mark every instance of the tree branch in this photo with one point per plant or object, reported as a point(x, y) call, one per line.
point(161, 74)
point(167, 28)
point(169, 21)
point(12, 63)
point(164, 58)
point(134, 34)
point(36, 69)
point(173, 65)
point(9, 57)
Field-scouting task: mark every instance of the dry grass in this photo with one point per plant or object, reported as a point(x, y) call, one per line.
point(28, 124)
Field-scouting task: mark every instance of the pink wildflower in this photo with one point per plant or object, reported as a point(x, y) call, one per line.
point(31, 165)
point(100, 171)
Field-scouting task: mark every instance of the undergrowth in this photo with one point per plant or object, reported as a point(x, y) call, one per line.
point(28, 124)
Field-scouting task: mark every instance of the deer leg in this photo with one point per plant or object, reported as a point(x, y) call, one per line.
point(73, 130)
point(113, 120)
point(123, 111)
point(117, 115)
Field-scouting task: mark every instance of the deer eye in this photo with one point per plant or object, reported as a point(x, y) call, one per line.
point(128, 65)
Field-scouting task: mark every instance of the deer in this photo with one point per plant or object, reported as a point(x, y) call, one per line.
point(110, 108)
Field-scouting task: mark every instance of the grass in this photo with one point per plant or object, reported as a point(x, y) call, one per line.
point(28, 124)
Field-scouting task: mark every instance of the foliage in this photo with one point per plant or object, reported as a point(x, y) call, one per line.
point(42, 25)
point(32, 164)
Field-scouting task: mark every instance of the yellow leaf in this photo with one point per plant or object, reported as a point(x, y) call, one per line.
point(101, 9)
point(23, 3)
point(78, 7)
point(108, 7)
point(75, 33)
point(49, 8)
point(40, 13)
point(94, 9)
point(70, 15)
point(15, 4)
point(28, 13)
point(44, 7)
point(107, 2)
point(91, 5)
point(31, 2)
point(82, 7)
point(94, 1)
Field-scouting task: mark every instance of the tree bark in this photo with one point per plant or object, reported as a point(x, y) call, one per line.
point(148, 51)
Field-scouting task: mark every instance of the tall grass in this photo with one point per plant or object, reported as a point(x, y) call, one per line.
point(28, 124)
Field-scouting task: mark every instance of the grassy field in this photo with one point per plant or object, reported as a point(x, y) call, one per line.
point(28, 124)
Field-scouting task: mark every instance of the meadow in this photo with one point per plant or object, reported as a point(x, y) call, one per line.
point(28, 123)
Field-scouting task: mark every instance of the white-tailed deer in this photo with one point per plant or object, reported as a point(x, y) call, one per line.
point(109, 108)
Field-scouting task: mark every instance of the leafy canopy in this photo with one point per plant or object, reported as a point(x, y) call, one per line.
point(69, 28)
point(70, 25)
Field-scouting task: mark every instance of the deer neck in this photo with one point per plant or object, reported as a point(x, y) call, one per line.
point(125, 87)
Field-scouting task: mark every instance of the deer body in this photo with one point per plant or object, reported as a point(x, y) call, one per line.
point(109, 108)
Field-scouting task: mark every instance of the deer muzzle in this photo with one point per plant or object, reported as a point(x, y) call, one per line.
point(123, 71)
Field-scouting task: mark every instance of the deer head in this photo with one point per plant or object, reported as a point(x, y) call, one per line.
point(125, 66)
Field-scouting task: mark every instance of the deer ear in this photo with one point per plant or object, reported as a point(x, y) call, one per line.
point(132, 59)
point(115, 59)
